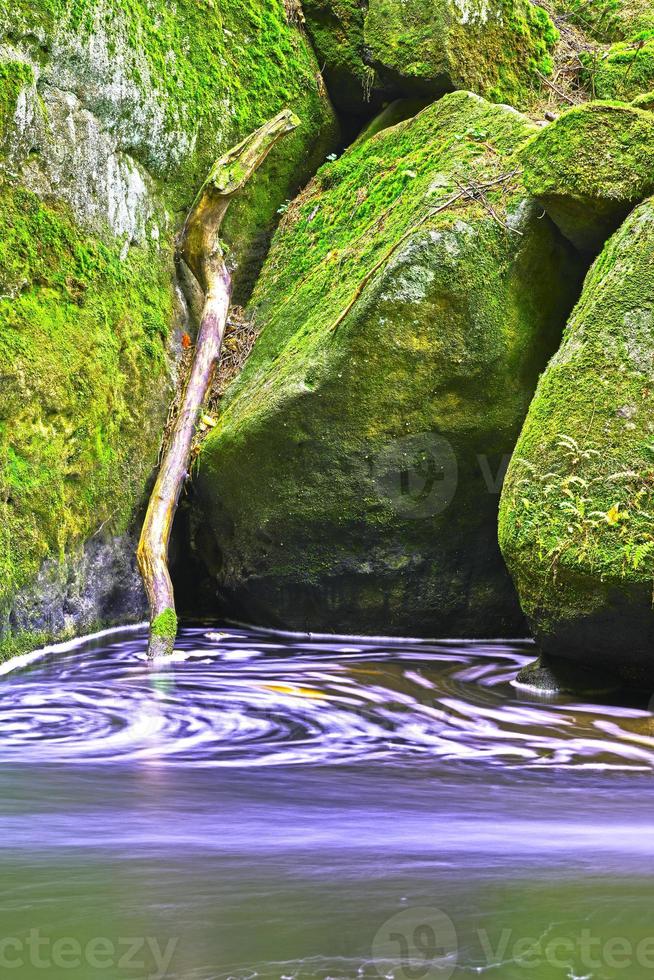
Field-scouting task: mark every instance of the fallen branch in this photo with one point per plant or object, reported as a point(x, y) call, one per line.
point(559, 91)
point(200, 247)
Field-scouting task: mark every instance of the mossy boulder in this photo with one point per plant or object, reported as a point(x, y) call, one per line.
point(645, 102)
point(111, 114)
point(590, 167)
point(83, 345)
point(623, 71)
point(609, 20)
point(411, 298)
point(382, 48)
point(426, 47)
point(127, 93)
point(577, 513)
point(336, 29)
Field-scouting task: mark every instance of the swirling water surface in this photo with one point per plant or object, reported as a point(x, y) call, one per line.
point(286, 807)
point(237, 698)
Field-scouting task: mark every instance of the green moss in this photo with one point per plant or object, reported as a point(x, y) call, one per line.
point(590, 167)
point(392, 307)
point(424, 48)
point(336, 28)
point(165, 624)
point(645, 102)
point(609, 20)
point(14, 77)
point(624, 71)
point(496, 52)
point(577, 515)
point(180, 83)
point(82, 344)
point(83, 328)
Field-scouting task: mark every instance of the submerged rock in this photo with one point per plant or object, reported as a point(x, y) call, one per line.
point(576, 522)
point(411, 298)
point(427, 47)
point(590, 167)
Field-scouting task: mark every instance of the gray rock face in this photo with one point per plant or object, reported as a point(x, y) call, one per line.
point(60, 148)
point(95, 587)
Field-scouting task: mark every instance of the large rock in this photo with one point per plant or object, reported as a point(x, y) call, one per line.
point(110, 116)
point(623, 71)
point(590, 167)
point(609, 20)
point(127, 107)
point(622, 67)
point(576, 524)
point(352, 482)
point(336, 29)
point(383, 48)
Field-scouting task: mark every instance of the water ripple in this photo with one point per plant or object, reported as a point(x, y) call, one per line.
point(241, 698)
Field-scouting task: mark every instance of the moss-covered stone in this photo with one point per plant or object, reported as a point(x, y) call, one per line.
point(111, 113)
point(140, 89)
point(425, 48)
point(609, 20)
point(83, 336)
point(495, 49)
point(590, 167)
point(395, 112)
point(623, 71)
point(645, 102)
point(577, 514)
point(336, 28)
point(352, 481)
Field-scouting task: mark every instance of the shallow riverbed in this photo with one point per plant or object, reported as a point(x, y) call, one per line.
point(268, 807)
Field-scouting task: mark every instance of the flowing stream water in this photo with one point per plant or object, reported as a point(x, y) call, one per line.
point(300, 808)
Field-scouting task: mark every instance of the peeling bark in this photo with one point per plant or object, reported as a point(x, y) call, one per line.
point(200, 247)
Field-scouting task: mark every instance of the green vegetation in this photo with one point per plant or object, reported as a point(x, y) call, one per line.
point(82, 343)
point(336, 28)
point(392, 307)
point(494, 50)
point(645, 102)
point(609, 20)
point(624, 71)
point(590, 167)
point(85, 319)
point(165, 625)
point(195, 78)
point(14, 77)
point(425, 48)
point(576, 523)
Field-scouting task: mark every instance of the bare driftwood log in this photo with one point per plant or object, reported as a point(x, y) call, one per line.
point(200, 247)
